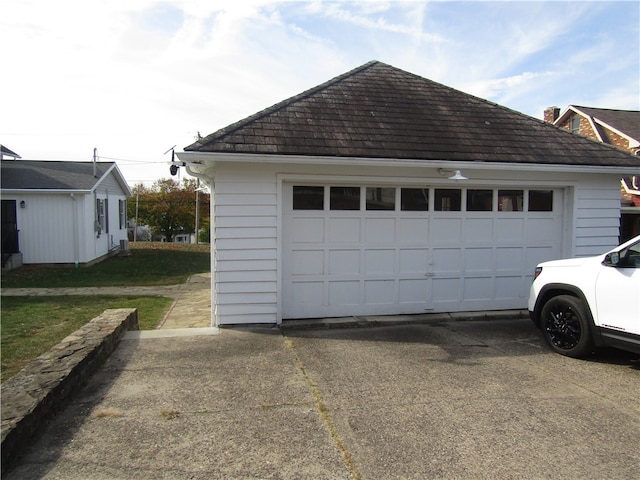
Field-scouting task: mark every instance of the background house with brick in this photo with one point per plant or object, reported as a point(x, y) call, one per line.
point(62, 212)
point(618, 128)
point(381, 192)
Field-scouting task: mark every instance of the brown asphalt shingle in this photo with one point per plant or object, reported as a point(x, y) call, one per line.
point(379, 111)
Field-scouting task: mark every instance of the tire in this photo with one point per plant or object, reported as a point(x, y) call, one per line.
point(565, 326)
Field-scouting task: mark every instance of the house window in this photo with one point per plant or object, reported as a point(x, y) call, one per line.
point(540, 201)
point(575, 125)
point(100, 216)
point(381, 198)
point(308, 198)
point(447, 200)
point(510, 200)
point(122, 213)
point(414, 199)
point(479, 200)
point(345, 198)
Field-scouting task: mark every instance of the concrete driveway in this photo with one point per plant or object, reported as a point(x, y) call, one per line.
point(451, 399)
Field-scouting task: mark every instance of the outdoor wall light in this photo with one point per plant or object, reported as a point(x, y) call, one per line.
point(23, 204)
point(455, 174)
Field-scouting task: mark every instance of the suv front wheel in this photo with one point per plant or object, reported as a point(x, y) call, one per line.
point(565, 326)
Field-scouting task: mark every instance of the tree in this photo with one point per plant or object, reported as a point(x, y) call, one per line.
point(169, 207)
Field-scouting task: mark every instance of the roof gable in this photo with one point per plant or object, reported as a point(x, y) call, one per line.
point(57, 175)
point(379, 111)
point(623, 122)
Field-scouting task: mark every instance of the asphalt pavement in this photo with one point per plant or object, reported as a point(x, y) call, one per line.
point(479, 399)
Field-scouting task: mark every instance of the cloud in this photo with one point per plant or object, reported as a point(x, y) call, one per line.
point(133, 78)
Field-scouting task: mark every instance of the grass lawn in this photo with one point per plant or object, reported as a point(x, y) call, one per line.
point(32, 325)
point(150, 263)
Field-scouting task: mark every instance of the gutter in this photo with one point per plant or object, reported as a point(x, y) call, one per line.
point(195, 159)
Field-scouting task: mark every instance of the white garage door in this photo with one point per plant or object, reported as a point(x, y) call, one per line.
point(367, 250)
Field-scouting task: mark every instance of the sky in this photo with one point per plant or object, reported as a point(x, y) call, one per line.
point(134, 78)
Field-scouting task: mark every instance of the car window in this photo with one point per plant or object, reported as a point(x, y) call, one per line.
point(630, 256)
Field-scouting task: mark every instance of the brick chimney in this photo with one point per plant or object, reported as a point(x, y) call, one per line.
point(551, 114)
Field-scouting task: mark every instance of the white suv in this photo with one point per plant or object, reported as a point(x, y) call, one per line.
point(584, 303)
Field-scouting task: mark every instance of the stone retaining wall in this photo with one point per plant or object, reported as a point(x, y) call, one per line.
point(43, 388)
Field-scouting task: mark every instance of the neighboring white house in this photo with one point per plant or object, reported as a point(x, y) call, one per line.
point(62, 212)
point(382, 192)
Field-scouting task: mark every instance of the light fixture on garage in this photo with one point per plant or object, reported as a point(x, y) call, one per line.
point(455, 174)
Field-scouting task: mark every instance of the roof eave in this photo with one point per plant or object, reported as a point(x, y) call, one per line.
point(6, 191)
point(193, 160)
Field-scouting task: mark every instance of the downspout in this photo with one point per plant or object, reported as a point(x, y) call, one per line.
point(76, 249)
point(208, 181)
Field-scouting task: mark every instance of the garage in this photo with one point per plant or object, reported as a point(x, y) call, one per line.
point(380, 192)
point(374, 250)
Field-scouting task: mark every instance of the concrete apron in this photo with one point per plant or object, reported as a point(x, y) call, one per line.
point(446, 399)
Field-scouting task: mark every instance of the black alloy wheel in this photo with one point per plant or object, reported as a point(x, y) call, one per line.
point(565, 326)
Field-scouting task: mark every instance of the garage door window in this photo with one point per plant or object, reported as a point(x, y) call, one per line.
point(479, 200)
point(409, 199)
point(381, 198)
point(510, 200)
point(448, 200)
point(414, 199)
point(540, 201)
point(308, 198)
point(345, 198)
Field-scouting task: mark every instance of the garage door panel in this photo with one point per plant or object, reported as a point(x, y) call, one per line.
point(380, 261)
point(412, 230)
point(509, 259)
point(309, 294)
point(413, 260)
point(379, 230)
point(508, 287)
point(446, 230)
point(447, 260)
point(379, 292)
point(344, 230)
point(477, 288)
point(509, 229)
point(446, 289)
point(344, 293)
point(308, 262)
point(306, 230)
point(478, 230)
point(413, 291)
point(542, 229)
point(478, 260)
point(344, 262)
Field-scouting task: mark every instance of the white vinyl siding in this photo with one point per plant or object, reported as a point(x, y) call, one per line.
point(46, 225)
point(495, 251)
point(244, 248)
point(60, 227)
point(597, 216)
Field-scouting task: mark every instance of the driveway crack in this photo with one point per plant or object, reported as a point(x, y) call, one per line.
point(325, 414)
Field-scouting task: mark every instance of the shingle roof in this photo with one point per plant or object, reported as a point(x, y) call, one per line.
point(51, 175)
point(379, 111)
point(625, 121)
